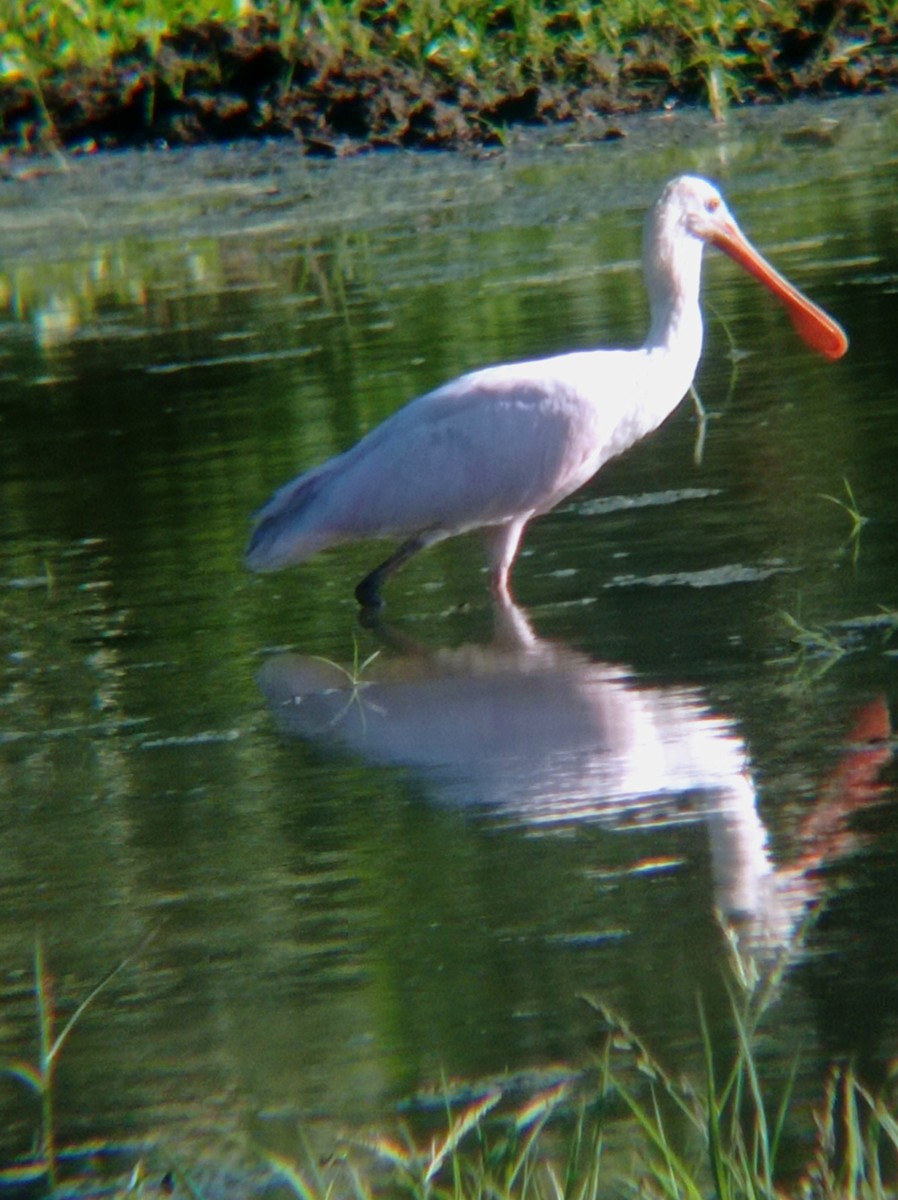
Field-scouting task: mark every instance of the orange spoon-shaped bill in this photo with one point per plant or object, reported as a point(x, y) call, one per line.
point(817, 328)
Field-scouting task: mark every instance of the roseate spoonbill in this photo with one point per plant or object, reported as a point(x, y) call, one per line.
point(499, 446)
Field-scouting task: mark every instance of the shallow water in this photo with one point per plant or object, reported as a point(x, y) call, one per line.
point(362, 879)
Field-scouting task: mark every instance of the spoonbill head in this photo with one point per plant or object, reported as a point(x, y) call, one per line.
point(696, 207)
point(499, 446)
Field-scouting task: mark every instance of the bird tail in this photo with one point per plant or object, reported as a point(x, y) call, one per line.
point(286, 531)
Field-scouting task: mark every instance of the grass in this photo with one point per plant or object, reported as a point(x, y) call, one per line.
point(821, 647)
point(717, 1136)
point(720, 50)
point(39, 1076)
point(733, 1127)
point(355, 679)
point(850, 507)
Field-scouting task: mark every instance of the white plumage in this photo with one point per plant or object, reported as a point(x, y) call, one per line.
point(499, 446)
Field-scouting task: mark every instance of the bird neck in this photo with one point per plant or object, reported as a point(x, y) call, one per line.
point(672, 266)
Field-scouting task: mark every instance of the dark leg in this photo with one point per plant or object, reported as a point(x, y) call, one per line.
point(368, 591)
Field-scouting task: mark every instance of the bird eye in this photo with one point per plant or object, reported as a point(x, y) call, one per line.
point(712, 204)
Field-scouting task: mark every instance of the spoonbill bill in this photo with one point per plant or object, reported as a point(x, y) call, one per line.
point(499, 446)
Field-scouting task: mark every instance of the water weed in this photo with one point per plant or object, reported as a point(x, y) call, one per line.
point(858, 520)
point(818, 648)
point(821, 645)
point(354, 677)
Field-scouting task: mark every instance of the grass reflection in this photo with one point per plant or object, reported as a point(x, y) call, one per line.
point(116, 284)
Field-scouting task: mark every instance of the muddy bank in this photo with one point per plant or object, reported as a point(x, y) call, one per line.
point(220, 83)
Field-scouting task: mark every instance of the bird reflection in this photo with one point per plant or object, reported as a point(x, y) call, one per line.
point(537, 733)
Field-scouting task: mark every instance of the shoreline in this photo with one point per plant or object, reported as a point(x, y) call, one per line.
point(215, 83)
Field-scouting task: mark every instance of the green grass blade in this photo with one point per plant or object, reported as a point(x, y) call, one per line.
point(95, 991)
point(676, 1179)
point(713, 1115)
point(470, 1119)
point(783, 1110)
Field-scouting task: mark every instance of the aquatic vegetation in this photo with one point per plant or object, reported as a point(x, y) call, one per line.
point(39, 1076)
point(354, 678)
point(820, 643)
point(820, 647)
point(721, 1134)
point(865, 1125)
point(858, 520)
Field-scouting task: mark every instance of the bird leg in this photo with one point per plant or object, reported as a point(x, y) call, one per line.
point(368, 591)
point(502, 545)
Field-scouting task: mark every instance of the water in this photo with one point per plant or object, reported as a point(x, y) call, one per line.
point(361, 878)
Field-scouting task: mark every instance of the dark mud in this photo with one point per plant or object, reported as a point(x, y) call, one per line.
point(214, 82)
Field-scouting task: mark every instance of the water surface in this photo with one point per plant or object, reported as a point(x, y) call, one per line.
point(361, 882)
